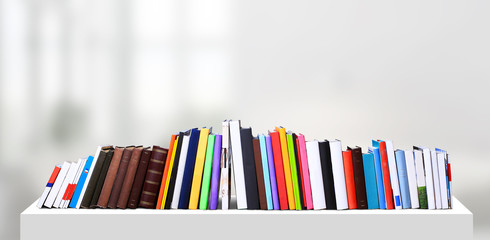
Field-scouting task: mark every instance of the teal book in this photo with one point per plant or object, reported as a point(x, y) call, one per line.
point(370, 181)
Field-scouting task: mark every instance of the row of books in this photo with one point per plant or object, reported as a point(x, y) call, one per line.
point(275, 171)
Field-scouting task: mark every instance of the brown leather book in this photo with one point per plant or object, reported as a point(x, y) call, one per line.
point(153, 177)
point(101, 180)
point(260, 174)
point(110, 178)
point(129, 178)
point(139, 179)
point(359, 181)
point(121, 173)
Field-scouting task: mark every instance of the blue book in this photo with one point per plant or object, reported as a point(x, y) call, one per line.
point(370, 180)
point(379, 177)
point(272, 170)
point(265, 167)
point(78, 190)
point(190, 162)
point(401, 167)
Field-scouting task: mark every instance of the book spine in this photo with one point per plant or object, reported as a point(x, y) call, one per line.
point(173, 168)
point(190, 162)
point(287, 168)
point(420, 174)
point(265, 171)
point(379, 176)
point(441, 166)
point(272, 171)
point(294, 173)
point(359, 179)
point(139, 178)
point(402, 176)
point(306, 172)
point(167, 174)
point(349, 179)
point(121, 173)
point(173, 145)
point(280, 178)
point(370, 174)
point(299, 175)
point(251, 186)
point(412, 179)
point(259, 174)
point(238, 169)
point(122, 202)
point(206, 176)
point(102, 177)
point(81, 183)
point(180, 167)
point(198, 169)
point(215, 175)
point(386, 173)
point(327, 176)
point(50, 183)
point(435, 175)
point(317, 188)
point(395, 185)
point(338, 174)
point(153, 177)
point(92, 183)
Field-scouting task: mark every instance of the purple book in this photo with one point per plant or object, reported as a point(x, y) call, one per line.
point(213, 203)
point(272, 172)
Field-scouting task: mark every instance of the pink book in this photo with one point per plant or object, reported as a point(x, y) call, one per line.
point(304, 169)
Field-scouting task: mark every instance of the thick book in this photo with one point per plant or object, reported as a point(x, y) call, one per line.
point(259, 173)
point(139, 178)
point(429, 182)
point(251, 186)
point(272, 173)
point(420, 174)
point(190, 162)
point(412, 178)
point(238, 169)
point(198, 168)
point(174, 167)
point(206, 175)
point(57, 185)
point(101, 180)
point(370, 175)
point(305, 172)
point(110, 178)
point(395, 186)
point(295, 173)
point(265, 171)
point(386, 172)
point(148, 198)
point(327, 174)
point(94, 177)
point(435, 175)
point(179, 174)
point(215, 173)
point(49, 185)
point(287, 167)
point(338, 174)
point(315, 169)
point(121, 173)
point(171, 149)
point(122, 202)
point(379, 177)
point(278, 163)
point(403, 178)
point(349, 179)
point(359, 179)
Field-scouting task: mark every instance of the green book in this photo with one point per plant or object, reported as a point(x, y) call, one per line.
point(423, 197)
point(294, 174)
point(206, 178)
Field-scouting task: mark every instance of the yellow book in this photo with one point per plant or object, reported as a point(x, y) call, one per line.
point(287, 168)
point(198, 168)
point(170, 167)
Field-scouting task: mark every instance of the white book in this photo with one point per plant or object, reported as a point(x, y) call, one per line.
point(225, 188)
point(395, 186)
point(49, 185)
point(316, 179)
point(89, 174)
point(441, 165)
point(435, 175)
point(419, 170)
point(450, 193)
point(338, 174)
point(236, 151)
point(429, 179)
point(57, 185)
point(412, 179)
point(180, 171)
point(68, 179)
point(65, 203)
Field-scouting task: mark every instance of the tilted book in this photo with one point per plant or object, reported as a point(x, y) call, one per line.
point(317, 189)
point(370, 175)
point(338, 174)
point(328, 179)
point(198, 169)
point(412, 178)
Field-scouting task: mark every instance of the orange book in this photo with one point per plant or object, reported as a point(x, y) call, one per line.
point(165, 172)
point(287, 168)
point(349, 179)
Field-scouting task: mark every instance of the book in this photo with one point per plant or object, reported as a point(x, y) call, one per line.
point(379, 177)
point(198, 168)
point(441, 166)
point(94, 176)
point(127, 184)
point(174, 204)
point(139, 178)
point(251, 185)
point(279, 169)
point(306, 172)
point(295, 170)
point(327, 176)
point(57, 185)
point(412, 179)
point(101, 180)
point(272, 172)
point(238, 170)
point(386, 173)
point(314, 165)
point(121, 173)
point(172, 171)
point(287, 167)
point(338, 174)
point(299, 168)
point(395, 187)
point(435, 175)
point(49, 185)
point(265, 171)
point(185, 190)
point(429, 182)
point(215, 174)
point(370, 175)
point(153, 177)
point(420, 174)
point(225, 176)
point(105, 193)
point(74, 166)
point(359, 179)
point(206, 175)
point(403, 178)
point(72, 186)
point(349, 179)
point(171, 148)
point(259, 172)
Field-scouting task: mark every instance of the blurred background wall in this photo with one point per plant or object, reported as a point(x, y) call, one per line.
point(78, 73)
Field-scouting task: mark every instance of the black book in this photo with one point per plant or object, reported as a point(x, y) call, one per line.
point(173, 174)
point(89, 193)
point(298, 171)
point(101, 180)
point(251, 186)
point(327, 174)
point(359, 180)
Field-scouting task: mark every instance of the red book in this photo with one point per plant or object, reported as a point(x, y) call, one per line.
point(386, 175)
point(349, 179)
point(280, 179)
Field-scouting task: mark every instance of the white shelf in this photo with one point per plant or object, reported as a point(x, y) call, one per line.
point(74, 224)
